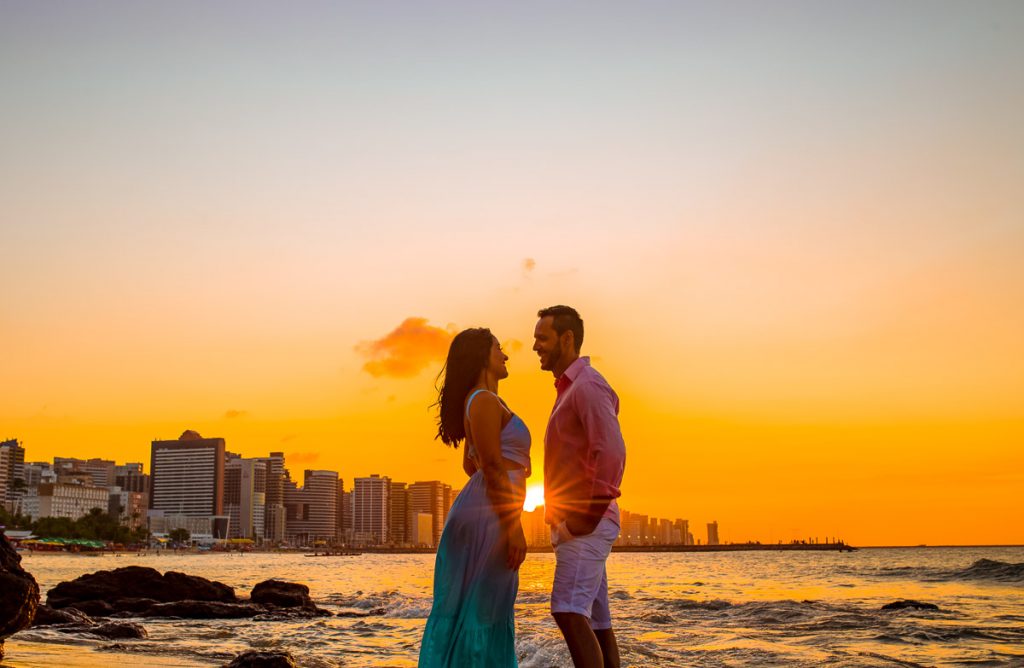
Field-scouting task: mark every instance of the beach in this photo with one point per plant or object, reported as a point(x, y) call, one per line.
point(671, 609)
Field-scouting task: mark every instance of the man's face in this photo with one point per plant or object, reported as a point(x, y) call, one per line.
point(546, 343)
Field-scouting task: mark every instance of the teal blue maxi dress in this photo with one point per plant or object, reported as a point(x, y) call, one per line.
point(472, 621)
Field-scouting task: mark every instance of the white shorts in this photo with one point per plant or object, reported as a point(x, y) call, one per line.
point(581, 581)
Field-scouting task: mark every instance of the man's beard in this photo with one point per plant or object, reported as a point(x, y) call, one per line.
point(553, 358)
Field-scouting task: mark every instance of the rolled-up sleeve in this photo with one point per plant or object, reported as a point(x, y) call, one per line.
point(598, 408)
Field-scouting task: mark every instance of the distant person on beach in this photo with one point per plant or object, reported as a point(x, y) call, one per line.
point(584, 458)
point(476, 573)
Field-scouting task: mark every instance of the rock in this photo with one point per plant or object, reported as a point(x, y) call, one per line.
point(907, 603)
point(204, 610)
point(108, 630)
point(20, 593)
point(282, 594)
point(47, 616)
point(257, 659)
point(134, 589)
point(94, 608)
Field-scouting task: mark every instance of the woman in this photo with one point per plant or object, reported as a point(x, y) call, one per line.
point(476, 574)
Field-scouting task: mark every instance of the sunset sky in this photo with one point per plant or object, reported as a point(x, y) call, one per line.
point(795, 232)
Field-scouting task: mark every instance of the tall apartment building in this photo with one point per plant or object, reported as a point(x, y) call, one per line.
point(187, 476)
point(683, 528)
point(400, 517)
point(12, 473)
point(432, 497)
point(312, 510)
point(245, 497)
point(371, 504)
point(713, 533)
point(128, 506)
point(537, 531)
point(345, 501)
point(274, 510)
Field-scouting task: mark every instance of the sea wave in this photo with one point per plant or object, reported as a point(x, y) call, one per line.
point(989, 569)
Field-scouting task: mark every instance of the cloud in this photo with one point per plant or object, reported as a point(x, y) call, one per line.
point(235, 414)
point(407, 350)
point(301, 457)
point(513, 345)
point(289, 437)
point(529, 264)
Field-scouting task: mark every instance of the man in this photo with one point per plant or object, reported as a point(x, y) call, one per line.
point(584, 457)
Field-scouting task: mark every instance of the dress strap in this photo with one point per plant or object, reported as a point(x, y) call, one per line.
point(469, 402)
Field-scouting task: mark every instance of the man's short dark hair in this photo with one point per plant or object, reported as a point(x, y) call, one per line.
point(566, 319)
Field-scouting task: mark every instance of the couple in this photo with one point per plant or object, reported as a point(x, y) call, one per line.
point(476, 575)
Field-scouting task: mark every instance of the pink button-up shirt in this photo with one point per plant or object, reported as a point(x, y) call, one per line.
point(584, 454)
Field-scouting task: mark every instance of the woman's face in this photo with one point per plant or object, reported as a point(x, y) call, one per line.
point(496, 363)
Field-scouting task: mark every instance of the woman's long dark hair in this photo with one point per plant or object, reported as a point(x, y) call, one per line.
point(467, 357)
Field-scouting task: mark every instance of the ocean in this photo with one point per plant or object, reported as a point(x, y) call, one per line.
point(670, 609)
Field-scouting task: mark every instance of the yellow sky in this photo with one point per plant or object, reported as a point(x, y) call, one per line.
point(796, 239)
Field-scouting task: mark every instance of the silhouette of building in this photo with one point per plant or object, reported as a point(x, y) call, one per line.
point(400, 516)
point(713, 533)
point(538, 533)
point(371, 504)
point(312, 510)
point(423, 530)
point(187, 476)
point(432, 497)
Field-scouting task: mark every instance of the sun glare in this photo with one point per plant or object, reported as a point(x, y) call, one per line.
point(534, 497)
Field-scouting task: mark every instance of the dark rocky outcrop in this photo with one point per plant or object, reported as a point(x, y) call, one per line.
point(257, 659)
point(47, 616)
point(108, 630)
point(908, 603)
point(203, 610)
point(94, 592)
point(20, 593)
point(136, 591)
point(282, 594)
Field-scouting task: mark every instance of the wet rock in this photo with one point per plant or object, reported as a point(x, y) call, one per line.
point(108, 630)
point(20, 593)
point(282, 594)
point(257, 659)
point(908, 603)
point(47, 616)
point(204, 610)
point(132, 589)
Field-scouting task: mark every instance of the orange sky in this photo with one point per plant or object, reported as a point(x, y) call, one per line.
point(799, 265)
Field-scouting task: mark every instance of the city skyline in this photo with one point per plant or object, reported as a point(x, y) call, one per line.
point(191, 491)
point(793, 232)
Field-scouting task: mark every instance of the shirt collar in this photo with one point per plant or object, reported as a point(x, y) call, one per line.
point(574, 370)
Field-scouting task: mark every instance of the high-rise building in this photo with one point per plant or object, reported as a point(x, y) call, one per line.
point(12, 473)
point(431, 497)
point(312, 510)
point(245, 497)
point(346, 535)
point(187, 476)
point(423, 530)
point(131, 478)
point(274, 511)
point(371, 502)
point(400, 517)
point(713, 533)
point(683, 527)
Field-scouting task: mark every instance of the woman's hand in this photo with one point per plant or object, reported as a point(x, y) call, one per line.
point(516, 546)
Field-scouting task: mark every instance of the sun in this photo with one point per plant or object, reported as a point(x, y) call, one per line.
point(534, 497)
